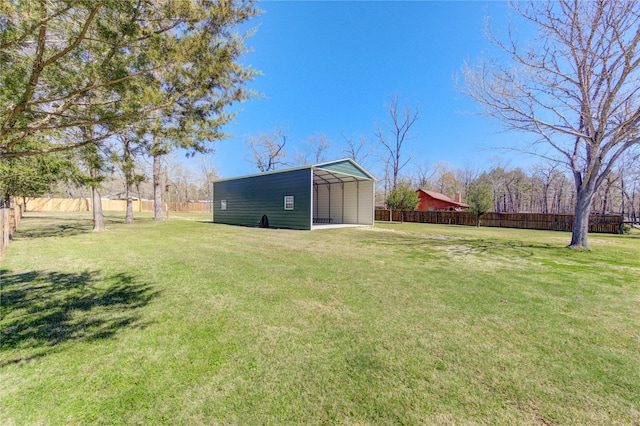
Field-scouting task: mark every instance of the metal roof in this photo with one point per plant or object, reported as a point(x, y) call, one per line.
point(343, 170)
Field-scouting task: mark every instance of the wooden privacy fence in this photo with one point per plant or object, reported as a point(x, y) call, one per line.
point(84, 205)
point(188, 207)
point(58, 205)
point(608, 224)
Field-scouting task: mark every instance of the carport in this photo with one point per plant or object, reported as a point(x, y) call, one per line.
point(336, 193)
point(343, 195)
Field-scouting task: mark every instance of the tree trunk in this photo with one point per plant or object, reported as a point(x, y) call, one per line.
point(128, 219)
point(128, 169)
point(623, 195)
point(581, 220)
point(94, 164)
point(157, 190)
point(96, 202)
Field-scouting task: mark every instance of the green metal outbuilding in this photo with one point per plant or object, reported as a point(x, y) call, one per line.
point(308, 197)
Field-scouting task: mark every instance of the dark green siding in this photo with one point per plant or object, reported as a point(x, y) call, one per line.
point(251, 197)
point(344, 167)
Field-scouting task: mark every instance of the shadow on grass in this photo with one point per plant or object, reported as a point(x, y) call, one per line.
point(66, 224)
point(41, 310)
point(55, 226)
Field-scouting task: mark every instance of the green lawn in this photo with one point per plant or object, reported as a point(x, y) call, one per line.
point(187, 322)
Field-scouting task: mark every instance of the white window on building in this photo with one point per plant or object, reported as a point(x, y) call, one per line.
point(288, 202)
point(223, 204)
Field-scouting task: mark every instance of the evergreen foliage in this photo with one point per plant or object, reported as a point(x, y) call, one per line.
point(479, 197)
point(75, 64)
point(402, 198)
point(77, 73)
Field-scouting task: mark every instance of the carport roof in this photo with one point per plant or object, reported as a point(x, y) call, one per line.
point(344, 170)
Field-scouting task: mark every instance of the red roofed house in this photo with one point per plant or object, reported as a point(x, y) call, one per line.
point(433, 201)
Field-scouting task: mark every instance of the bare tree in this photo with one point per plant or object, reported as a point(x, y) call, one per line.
point(611, 182)
point(576, 86)
point(546, 173)
point(358, 150)
point(430, 176)
point(208, 173)
point(267, 150)
point(629, 172)
point(424, 173)
point(314, 149)
point(466, 175)
point(402, 120)
point(632, 191)
point(387, 178)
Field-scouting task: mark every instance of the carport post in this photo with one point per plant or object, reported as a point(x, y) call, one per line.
point(342, 187)
point(358, 201)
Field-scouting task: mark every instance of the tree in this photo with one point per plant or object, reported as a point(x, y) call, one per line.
point(424, 172)
point(210, 80)
point(125, 161)
point(96, 161)
point(576, 86)
point(267, 150)
point(428, 176)
point(357, 151)
point(447, 182)
point(80, 64)
point(36, 175)
point(402, 198)
point(207, 174)
point(546, 173)
point(479, 197)
point(466, 175)
point(313, 151)
point(629, 172)
point(393, 139)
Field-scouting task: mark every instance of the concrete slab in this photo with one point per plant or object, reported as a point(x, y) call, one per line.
point(335, 225)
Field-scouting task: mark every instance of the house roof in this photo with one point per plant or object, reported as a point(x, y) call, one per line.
point(442, 197)
point(117, 196)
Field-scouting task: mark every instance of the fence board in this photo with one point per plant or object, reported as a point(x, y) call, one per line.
point(189, 207)
point(84, 205)
point(608, 224)
point(58, 205)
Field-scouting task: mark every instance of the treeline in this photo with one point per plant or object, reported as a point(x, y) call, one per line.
point(542, 188)
point(180, 182)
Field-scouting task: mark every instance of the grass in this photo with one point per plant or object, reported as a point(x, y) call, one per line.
point(187, 322)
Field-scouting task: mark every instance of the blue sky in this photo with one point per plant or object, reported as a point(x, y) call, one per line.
point(331, 66)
